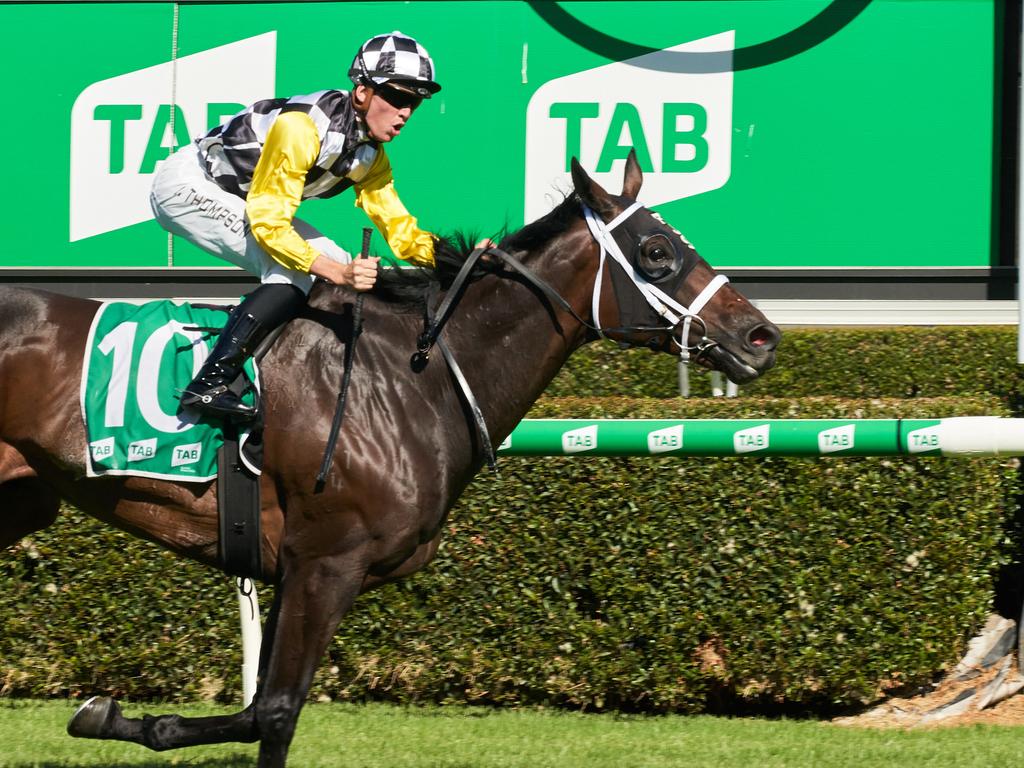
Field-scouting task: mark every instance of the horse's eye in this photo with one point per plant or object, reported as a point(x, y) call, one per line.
point(657, 257)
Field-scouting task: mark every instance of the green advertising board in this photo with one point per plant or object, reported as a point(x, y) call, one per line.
point(870, 145)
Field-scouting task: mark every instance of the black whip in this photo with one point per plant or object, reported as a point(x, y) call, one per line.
point(350, 353)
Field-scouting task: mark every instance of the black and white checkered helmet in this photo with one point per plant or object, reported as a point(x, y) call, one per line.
point(394, 58)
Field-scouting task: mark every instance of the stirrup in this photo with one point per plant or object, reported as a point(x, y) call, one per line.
point(206, 403)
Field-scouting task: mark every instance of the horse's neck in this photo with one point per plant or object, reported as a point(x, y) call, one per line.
point(510, 345)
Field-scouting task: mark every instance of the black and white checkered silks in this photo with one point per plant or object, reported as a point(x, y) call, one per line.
point(230, 152)
point(395, 57)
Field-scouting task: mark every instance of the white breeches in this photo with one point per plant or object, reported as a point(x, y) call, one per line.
point(188, 204)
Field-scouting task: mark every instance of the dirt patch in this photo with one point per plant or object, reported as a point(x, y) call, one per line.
point(978, 700)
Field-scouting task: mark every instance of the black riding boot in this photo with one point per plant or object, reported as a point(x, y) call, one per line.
point(268, 307)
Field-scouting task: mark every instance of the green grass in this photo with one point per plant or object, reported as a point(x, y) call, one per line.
point(337, 735)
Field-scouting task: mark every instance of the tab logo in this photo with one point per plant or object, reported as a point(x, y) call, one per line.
point(102, 449)
point(121, 128)
point(142, 449)
point(750, 440)
point(186, 454)
point(836, 439)
point(680, 124)
point(665, 440)
point(922, 440)
point(580, 440)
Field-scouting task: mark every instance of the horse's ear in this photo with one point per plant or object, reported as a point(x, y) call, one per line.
point(590, 192)
point(634, 176)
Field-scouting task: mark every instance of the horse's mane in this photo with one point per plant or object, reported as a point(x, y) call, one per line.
point(539, 232)
point(411, 286)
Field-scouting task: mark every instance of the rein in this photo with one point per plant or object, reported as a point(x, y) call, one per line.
point(346, 377)
point(664, 305)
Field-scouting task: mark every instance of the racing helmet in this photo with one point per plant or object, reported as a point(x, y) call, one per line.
point(394, 58)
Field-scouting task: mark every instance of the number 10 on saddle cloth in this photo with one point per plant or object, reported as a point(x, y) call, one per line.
point(138, 358)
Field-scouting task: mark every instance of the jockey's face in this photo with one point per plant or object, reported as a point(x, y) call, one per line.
point(388, 108)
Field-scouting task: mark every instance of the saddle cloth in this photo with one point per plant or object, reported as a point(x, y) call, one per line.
point(138, 358)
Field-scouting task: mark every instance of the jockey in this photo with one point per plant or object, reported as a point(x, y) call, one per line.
point(234, 193)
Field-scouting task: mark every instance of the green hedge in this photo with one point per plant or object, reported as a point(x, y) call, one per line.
point(871, 362)
point(640, 584)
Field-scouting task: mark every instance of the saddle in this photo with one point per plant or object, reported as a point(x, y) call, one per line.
point(136, 360)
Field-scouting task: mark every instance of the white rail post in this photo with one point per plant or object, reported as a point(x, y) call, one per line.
point(252, 637)
point(722, 386)
point(717, 379)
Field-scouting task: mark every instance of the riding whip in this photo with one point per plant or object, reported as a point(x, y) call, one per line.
point(350, 353)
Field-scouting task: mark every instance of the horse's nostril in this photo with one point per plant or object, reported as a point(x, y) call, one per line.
point(764, 337)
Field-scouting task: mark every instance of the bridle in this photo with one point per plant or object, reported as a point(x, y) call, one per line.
point(664, 305)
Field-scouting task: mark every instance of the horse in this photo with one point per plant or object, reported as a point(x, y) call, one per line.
point(407, 446)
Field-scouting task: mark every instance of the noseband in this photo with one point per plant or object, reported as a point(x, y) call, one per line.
point(664, 305)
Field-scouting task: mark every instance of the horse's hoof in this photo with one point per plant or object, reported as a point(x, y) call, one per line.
point(92, 720)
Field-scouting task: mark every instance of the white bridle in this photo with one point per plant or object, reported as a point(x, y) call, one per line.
point(667, 308)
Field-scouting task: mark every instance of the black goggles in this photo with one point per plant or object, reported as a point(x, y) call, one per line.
point(399, 99)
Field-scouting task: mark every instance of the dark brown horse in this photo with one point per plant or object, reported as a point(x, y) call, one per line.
point(407, 448)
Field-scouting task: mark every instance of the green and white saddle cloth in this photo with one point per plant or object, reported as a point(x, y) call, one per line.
point(138, 358)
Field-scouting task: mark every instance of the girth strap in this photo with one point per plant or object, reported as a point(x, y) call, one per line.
point(238, 512)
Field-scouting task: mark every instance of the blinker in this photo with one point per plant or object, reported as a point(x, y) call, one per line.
point(659, 256)
point(654, 266)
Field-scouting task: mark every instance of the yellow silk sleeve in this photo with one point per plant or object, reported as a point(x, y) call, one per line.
point(291, 148)
point(376, 195)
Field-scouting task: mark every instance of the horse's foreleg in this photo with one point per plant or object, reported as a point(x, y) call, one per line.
point(311, 599)
point(100, 718)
